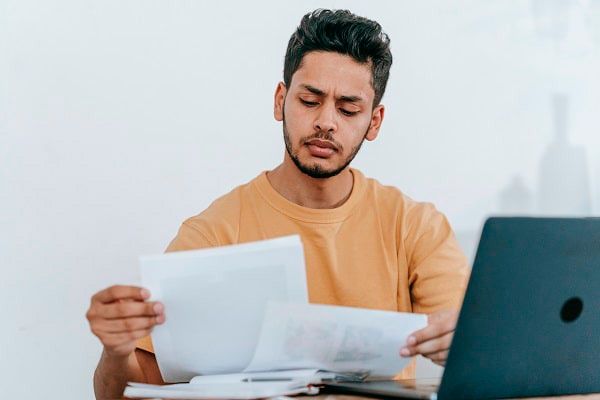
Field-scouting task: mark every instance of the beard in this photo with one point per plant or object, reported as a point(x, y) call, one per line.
point(315, 170)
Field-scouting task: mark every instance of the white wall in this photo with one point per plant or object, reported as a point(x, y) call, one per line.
point(118, 119)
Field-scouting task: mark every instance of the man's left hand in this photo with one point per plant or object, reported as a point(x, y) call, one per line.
point(434, 340)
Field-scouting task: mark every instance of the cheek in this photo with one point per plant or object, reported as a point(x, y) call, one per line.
point(297, 123)
point(358, 126)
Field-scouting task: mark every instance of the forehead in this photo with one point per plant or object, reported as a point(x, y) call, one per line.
point(334, 73)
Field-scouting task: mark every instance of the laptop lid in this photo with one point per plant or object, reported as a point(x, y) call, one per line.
point(530, 320)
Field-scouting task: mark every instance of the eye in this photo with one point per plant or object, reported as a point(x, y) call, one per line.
point(308, 103)
point(348, 113)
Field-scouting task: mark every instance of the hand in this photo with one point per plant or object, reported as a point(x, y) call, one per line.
point(119, 316)
point(434, 340)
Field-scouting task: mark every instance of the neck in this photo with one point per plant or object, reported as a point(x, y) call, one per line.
point(309, 192)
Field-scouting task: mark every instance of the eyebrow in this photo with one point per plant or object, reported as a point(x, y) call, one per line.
point(319, 92)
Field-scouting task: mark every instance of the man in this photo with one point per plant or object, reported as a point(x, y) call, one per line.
point(366, 245)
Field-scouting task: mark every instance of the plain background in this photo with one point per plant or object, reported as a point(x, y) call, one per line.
point(119, 119)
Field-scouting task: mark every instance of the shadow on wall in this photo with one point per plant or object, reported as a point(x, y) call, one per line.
point(563, 182)
point(563, 185)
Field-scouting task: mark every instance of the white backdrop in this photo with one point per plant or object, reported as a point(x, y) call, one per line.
point(119, 119)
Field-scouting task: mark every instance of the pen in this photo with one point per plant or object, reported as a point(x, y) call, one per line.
point(266, 379)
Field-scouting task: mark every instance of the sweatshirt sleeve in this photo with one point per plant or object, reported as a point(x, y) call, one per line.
point(437, 267)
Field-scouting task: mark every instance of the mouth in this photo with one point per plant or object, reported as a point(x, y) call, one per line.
point(321, 148)
point(322, 143)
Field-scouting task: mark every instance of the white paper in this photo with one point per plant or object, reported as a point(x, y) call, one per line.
point(299, 375)
point(333, 338)
point(215, 301)
point(251, 390)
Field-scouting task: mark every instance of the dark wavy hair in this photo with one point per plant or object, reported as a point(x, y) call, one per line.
point(342, 32)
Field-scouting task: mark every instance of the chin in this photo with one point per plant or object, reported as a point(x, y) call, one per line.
point(319, 171)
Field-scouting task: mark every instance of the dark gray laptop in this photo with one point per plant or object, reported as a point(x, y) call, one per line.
point(530, 321)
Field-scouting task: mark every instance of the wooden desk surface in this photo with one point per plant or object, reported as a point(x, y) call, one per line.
point(436, 381)
point(352, 397)
point(348, 397)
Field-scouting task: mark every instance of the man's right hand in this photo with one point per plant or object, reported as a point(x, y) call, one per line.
point(120, 315)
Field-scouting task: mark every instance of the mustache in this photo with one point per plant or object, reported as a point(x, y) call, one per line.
point(324, 135)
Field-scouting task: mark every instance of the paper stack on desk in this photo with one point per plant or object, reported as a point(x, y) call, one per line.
point(240, 390)
point(238, 386)
point(244, 309)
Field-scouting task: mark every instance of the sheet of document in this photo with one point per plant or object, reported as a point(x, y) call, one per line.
point(247, 390)
point(215, 301)
point(298, 375)
point(333, 338)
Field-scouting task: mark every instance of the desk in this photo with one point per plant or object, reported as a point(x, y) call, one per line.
point(352, 397)
point(328, 396)
point(348, 397)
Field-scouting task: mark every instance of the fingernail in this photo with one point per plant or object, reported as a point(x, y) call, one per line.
point(145, 293)
point(158, 307)
point(411, 340)
point(404, 352)
point(160, 319)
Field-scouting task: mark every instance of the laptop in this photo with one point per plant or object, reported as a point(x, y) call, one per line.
point(530, 320)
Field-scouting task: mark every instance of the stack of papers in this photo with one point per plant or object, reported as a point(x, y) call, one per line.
point(239, 326)
point(241, 390)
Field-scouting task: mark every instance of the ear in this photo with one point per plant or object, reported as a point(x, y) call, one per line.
point(280, 93)
point(376, 120)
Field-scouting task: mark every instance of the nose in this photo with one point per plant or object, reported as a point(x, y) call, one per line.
point(325, 120)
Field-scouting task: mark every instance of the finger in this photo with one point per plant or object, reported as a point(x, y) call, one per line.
point(435, 329)
point(130, 309)
point(118, 292)
point(438, 357)
point(119, 339)
point(434, 345)
point(128, 324)
point(428, 347)
point(428, 333)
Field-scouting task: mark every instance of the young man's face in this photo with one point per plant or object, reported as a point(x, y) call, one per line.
point(327, 112)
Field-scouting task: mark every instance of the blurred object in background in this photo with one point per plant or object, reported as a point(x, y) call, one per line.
point(516, 198)
point(564, 187)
